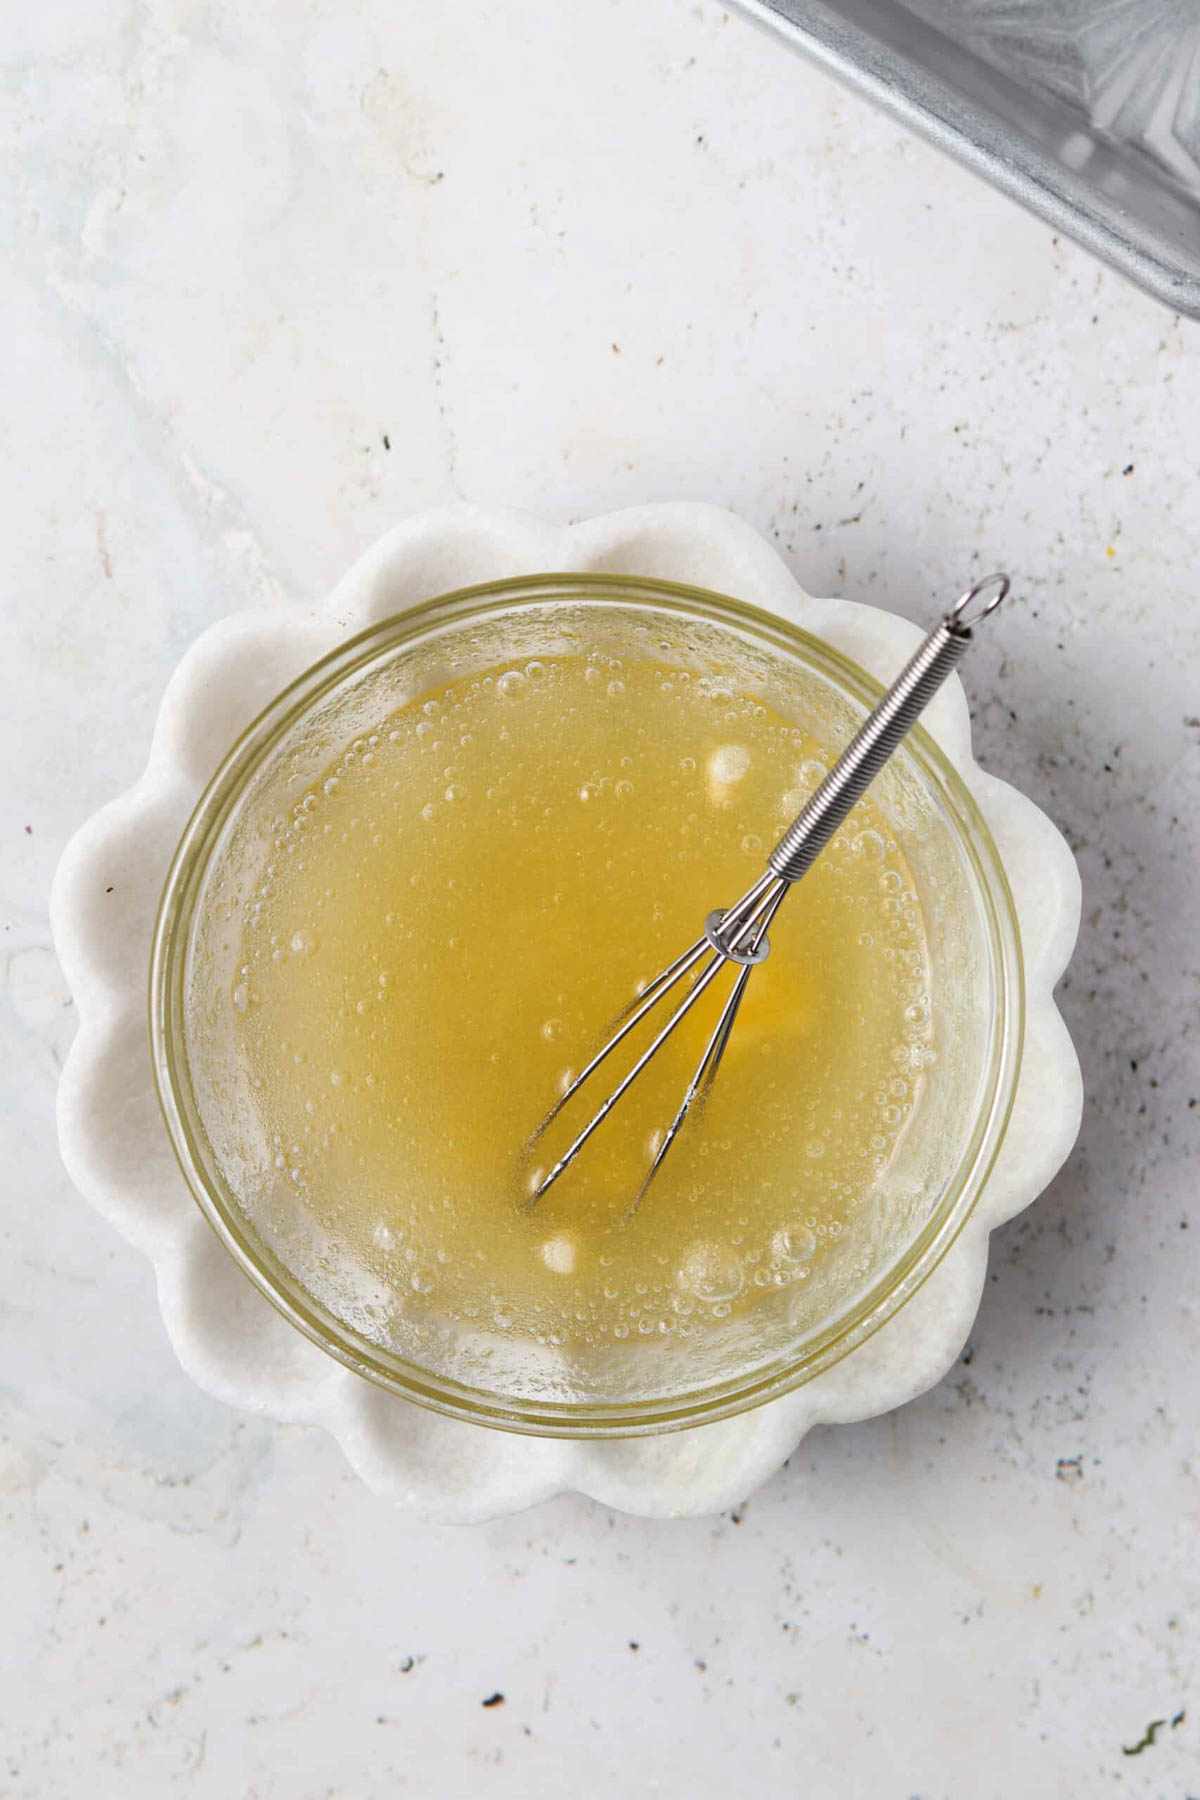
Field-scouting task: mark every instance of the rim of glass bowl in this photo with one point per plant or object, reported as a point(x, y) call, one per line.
point(583, 1419)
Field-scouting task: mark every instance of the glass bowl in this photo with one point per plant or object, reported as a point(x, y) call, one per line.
point(926, 1192)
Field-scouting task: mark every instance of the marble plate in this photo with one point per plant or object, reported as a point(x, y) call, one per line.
point(226, 1334)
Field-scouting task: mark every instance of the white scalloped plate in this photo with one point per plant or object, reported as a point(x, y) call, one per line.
point(226, 1334)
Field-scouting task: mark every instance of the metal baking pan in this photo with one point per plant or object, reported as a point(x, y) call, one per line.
point(1087, 111)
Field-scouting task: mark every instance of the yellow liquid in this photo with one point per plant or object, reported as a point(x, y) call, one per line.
point(452, 916)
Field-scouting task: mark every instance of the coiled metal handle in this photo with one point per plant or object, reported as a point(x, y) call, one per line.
point(878, 736)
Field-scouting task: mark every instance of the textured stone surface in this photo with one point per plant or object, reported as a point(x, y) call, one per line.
point(573, 258)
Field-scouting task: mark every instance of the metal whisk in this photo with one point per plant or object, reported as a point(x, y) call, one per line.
point(737, 936)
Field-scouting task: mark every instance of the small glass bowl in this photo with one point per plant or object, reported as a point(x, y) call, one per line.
point(934, 1178)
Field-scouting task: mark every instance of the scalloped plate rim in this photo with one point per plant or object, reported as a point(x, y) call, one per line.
point(745, 1450)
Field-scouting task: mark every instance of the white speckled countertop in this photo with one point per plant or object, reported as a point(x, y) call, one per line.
point(276, 276)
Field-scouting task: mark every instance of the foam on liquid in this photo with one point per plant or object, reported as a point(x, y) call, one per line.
point(450, 919)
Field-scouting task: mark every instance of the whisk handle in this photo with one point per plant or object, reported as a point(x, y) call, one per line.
point(879, 734)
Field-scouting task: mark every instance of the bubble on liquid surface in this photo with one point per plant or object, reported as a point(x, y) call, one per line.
point(870, 846)
point(711, 1271)
point(794, 1243)
point(303, 943)
point(511, 684)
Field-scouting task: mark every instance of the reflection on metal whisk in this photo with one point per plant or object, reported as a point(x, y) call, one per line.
point(737, 936)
